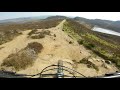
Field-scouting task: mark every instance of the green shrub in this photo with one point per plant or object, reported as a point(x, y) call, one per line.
point(89, 45)
point(89, 64)
point(80, 41)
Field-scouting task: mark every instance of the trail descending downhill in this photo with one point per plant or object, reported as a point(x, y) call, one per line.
point(56, 48)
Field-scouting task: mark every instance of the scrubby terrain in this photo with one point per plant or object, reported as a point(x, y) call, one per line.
point(67, 40)
point(105, 46)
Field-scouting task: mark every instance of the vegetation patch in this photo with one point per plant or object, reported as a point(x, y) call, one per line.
point(46, 32)
point(38, 35)
point(80, 41)
point(105, 46)
point(70, 42)
point(32, 32)
point(54, 35)
point(95, 38)
point(70, 31)
point(24, 58)
point(6, 36)
point(89, 64)
point(37, 47)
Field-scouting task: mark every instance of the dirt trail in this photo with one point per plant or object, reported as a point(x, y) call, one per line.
point(55, 48)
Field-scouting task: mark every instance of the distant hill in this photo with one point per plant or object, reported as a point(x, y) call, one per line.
point(57, 17)
point(107, 24)
point(30, 19)
point(113, 25)
point(22, 20)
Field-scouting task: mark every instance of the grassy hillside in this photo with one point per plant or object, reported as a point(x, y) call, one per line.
point(113, 25)
point(10, 31)
point(106, 46)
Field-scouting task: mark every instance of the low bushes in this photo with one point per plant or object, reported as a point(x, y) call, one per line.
point(39, 35)
point(32, 32)
point(89, 64)
point(18, 61)
point(80, 41)
point(6, 36)
point(86, 44)
point(37, 47)
point(24, 58)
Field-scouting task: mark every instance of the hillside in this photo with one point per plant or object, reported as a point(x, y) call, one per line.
point(112, 25)
point(53, 40)
point(96, 41)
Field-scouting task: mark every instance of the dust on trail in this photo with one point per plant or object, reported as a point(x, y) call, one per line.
point(55, 48)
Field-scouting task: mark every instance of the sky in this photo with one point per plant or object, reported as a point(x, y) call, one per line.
point(90, 15)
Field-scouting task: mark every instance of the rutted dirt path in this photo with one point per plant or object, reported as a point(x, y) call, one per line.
point(55, 48)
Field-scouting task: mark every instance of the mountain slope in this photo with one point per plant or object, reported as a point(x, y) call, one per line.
point(96, 41)
point(112, 25)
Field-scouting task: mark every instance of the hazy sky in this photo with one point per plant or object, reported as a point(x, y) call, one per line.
point(90, 15)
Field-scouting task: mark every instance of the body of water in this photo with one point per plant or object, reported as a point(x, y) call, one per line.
point(107, 31)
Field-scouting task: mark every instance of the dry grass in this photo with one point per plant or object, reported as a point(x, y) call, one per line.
point(37, 47)
point(47, 32)
point(23, 58)
point(32, 32)
point(18, 61)
point(38, 36)
point(6, 36)
point(41, 34)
